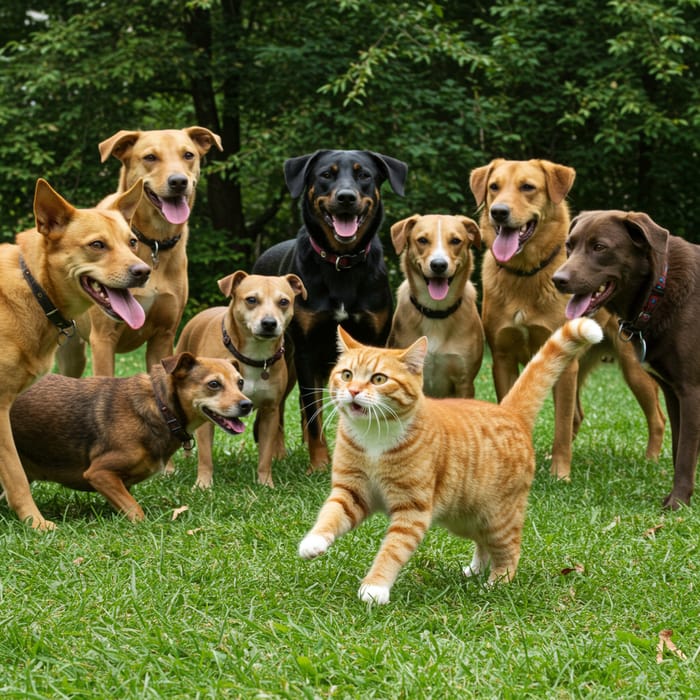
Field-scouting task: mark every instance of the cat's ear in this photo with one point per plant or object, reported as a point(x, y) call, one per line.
point(345, 340)
point(414, 356)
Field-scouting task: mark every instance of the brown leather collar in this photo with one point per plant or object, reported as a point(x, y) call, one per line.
point(265, 364)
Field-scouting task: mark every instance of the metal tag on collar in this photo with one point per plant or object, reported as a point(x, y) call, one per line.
point(627, 334)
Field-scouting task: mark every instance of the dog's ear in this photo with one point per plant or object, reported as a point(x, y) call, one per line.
point(297, 285)
point(559, 179)
point(478, 179)
point(295, 171)
point(641, 226)
point(204, 138)
point(472, 229)
point(51, 211)
point(228, 284)
point(392, 169)
point(127, 202)
point(179, 365)
point(400, 232)
point(118, 145)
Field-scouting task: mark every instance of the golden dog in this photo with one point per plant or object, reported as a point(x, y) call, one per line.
point(168, 161)
point(524, 223)
point(437, 299)
point(251, 329)
point(72, 431)
point(72, 259)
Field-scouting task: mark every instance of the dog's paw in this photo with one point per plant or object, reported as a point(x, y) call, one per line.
point(313, 546)
point(377, 595)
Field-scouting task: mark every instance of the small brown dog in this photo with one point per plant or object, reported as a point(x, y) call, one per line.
point(524, 223)
point(437, 299)
point(251, 329)
point(106, 434)
point(72, 259)
point(633, 267)
point(168, 161)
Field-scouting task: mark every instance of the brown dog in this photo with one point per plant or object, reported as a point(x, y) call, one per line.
point(72, 259)
point(524, 224)
point(168, 161)
point(633, 267)
point(437, 299)
point(251, 329)
point(106, 434)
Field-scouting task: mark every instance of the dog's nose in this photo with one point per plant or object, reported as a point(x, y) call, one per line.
point(561, 280)
point(177, 182)
point(438, 266)
point(140, 272)
point(346, 196)
point(245, 407)
point(500, 212)
point(268, 324)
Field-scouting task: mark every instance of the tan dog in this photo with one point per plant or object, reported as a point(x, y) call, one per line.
point(524, 223)
point(251, 329)
point(169, 163)
point(74, 258)
point(437, 299)
point(106, 434)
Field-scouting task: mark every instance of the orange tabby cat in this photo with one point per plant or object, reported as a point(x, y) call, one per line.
point(461, 463)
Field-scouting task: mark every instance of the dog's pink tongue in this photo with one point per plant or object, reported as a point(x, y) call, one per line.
point(506, 244)
point(578, 305)
point(126, 307)
point(345, 228)
point(438, 288)
point(233, 425)
point(176, 211)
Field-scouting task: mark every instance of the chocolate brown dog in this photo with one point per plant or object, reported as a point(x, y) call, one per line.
point(338, 256)
point(628, 264)
point(106, 434)
point(251, 329)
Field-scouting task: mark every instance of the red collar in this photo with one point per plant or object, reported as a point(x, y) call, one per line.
point(341, 262)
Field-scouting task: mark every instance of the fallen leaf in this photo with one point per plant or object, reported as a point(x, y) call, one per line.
point(78, 560)
point(576, 568)
point(653, 530)
point(613, 524)
point(179, 511)
point(666, 643)
point(192, 532)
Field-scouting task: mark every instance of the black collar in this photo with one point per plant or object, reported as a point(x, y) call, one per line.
point(66, 328)
point(436, 313)
point(534, 270)
point(176, 427)
point(341, 262)
point(155, 245)
point(249, 360)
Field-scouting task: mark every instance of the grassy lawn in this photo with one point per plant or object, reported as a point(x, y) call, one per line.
point(217, 604)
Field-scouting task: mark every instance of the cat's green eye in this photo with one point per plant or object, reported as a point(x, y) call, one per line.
point(346, 375)
point(378, 378)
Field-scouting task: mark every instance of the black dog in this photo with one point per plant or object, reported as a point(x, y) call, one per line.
point(340, 261)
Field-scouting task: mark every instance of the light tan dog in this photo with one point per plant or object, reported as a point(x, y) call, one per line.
point(437, 299)
point(169, 162)
point(251, 329)
point(524, 223)
point(106, 434)
point(72, 259)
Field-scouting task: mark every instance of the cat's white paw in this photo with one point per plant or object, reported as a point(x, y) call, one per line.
point(379, 595)
point(313, 546)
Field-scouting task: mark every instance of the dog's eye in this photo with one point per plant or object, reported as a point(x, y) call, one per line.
point(284, 303)
point(326, 175)
point(150, 157)
point(97, 245)
point(241, 384)
point(188, 155)
point(346, 375)
point(214, 385)
point(422, 240)
point(251, 301)
point(493, 187)
point(378, 378)
point(526, 187)
point(599, 247)
point(133, 242)
point(455, 241)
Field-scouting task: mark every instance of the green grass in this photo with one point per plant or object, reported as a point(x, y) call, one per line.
point(216, 603)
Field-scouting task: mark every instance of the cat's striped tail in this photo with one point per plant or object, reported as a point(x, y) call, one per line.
point(540, 374)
